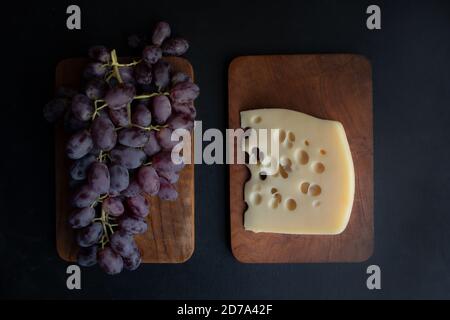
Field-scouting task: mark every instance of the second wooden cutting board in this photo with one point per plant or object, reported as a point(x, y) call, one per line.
point(328, 86)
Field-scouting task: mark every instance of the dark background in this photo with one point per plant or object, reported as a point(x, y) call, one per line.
point(411, 86)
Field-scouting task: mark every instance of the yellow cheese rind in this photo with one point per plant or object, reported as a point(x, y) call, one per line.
point(319, 155)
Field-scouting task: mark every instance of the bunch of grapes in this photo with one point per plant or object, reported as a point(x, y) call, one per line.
point(120, 145)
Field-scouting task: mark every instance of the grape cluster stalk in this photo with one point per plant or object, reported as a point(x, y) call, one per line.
point(121, 123)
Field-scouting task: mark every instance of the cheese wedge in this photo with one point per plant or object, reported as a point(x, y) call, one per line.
point(312, 188)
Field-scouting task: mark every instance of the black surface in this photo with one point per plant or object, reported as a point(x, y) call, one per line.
point(411, 86)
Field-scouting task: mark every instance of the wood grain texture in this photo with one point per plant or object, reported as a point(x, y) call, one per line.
point(328, 86)
point(170, 238)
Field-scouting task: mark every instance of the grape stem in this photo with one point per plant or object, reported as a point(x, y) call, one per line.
point(149, 128)
point(115, 65)
point(97, 109)
point(109, 76)
point(129, 64)
point(151, 95)
point(129, 114)
point(102, 156)
point(107, 227)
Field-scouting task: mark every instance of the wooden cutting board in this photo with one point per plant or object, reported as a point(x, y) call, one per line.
point(328, 86)
point(170, 237)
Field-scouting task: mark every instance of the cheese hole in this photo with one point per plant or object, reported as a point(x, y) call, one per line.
point(304, 187)
point(314, 190)
point(322, 152)
point(286, 163)
point(277, 197)
point(262, 176)
point(291, 136)
point(316, 203)
point(282, 135)
point(306, 142)
point(302, 157)
point(318, 167)
point(255, 198)
point(283, 172)
point(273, 190)
point(291, 204)
point(273, 203)
point(256, 119)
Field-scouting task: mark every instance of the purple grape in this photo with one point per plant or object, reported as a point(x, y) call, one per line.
point(103, 133)
point(139, 206)
point(119, 179)
point(109, 261)
point(80, 167)
point(133, 261)
point(82, 107)
point(84, 197)
point(113, 206)
point(81, 218)
point(133, 137)
point(123, 243)
point(180, 121)
point(95, 89)
point(133, 225)
point(65, 92)
point(161, 74)
point(72, 124)
point(120, 95)
point(99, 53)
point(151, 54)
point(170, 176)
point(164, 136)
point(87, 257)
point(160, 33)
point(119, 117)
point(184, 92)
point(148, 180)
point(161, 109)
point(127, 75)
point(133, 189)
point(175, 47)
point(98, 177)
point(95, 70)
point(130, 158)
point(163, 162)
point(180, 77)
point(55, 109)
point(143, 74)
point(167, 191)
point(152, 147)
point(79, 145)
point(89, 235)
point(141, 115)
point(187, 109)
